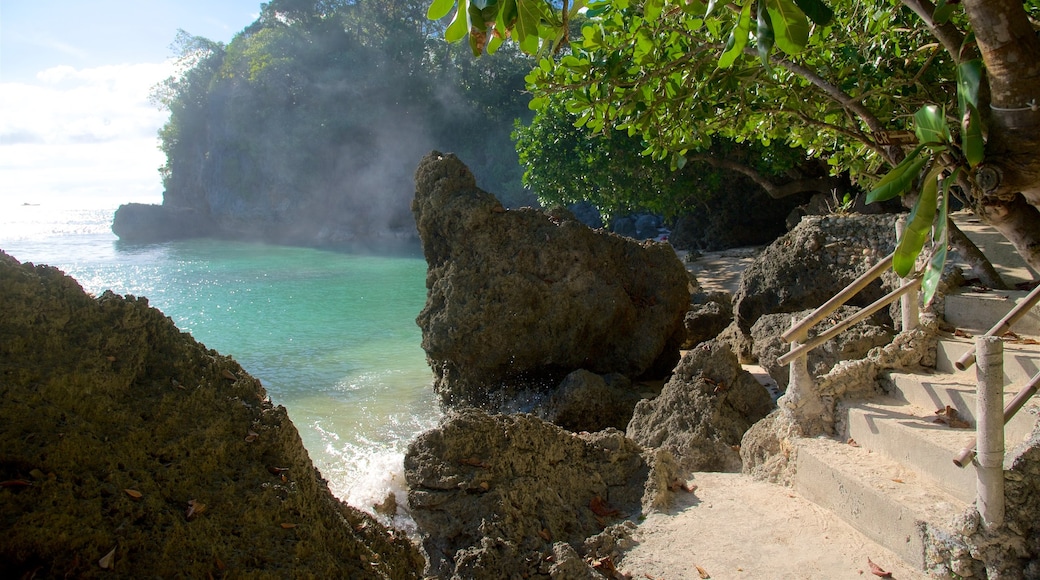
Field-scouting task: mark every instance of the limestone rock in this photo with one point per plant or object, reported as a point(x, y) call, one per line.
point(518, 297)
point(710, 313)
point(149, 223)
point(585, 401)
point(493, 493)
point(813, 262)
point(703, 410)
point(122, 433)
point(853, 344)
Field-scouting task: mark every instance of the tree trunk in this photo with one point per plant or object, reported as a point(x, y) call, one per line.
point(1008, 181)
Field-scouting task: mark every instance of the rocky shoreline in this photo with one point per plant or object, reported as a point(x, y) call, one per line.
point(570, 414)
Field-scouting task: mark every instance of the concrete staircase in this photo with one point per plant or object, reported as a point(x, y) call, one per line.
point(890, 471)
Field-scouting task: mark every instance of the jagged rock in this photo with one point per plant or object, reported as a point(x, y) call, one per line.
point(810, 264)
point(493, 493)
point(148, 223)
point(517, 297)
point(710, 313)
point(703, 410)
point(585, 401)
point(122, 435)
point(853, 344)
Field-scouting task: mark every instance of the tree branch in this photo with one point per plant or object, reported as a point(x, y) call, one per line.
point(818, 184)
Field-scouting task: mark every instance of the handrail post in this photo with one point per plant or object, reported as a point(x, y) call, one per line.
point(989, 415)
point(908, 303)
point(801, 401)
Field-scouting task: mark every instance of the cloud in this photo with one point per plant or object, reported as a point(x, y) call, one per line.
point(77, 133)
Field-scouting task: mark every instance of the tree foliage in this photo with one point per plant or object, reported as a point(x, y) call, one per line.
point(842, 79)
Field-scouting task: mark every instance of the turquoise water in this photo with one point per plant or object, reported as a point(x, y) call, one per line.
point(331, 335)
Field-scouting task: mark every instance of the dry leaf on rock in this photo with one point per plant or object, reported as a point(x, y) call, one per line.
point(877, 570)
point(252, 436)
point(134, 493)
point(194, 508)
point(288, 525)
point(229, 375)
point(702, 572)
point(108, 560)
point(601, 508)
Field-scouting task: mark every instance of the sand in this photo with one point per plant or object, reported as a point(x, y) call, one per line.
point(732, 526)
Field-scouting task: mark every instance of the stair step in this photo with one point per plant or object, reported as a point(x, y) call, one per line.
point(931, 392)
point(908, 435)
point(977, 312)
point(888, 502)
point(1021, 361)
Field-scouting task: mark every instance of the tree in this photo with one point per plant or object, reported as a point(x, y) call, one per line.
point(845, 80)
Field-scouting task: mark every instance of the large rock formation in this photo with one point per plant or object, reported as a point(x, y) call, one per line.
point(813, 262)
point(853, 344)
point(145, 223)
point(703, 410)
point(128, 447)
point(495, 494)
point(521, 298)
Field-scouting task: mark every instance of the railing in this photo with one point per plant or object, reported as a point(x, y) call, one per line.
point(806, 405)
point(801, 398)
point(987, 448)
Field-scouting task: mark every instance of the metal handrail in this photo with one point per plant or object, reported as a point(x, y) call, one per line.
point(963, 459)
point(801, 329)
point(1020, 310)
point(837, 329)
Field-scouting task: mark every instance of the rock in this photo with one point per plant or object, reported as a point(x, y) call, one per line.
point(492, 494)
point(518, 299)
point(710, 313)
point(131, 442)
point(809, 265)
point(853, 344)
point(703, 411)
point(149, 223)
point(585, 401)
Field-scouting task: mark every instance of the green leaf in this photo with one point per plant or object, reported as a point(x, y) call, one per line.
point(764, 33)
point(918, 226)
point(738, 38)
point(933, 274)
point(439, 9)
point(816, 10)
point(652, 10)
point(790, 25)
point(969, 76)
point(711, 6)
point(897, 181)
point(459, 27)
point(972, 143)
point(943, 12)
point(930, 125)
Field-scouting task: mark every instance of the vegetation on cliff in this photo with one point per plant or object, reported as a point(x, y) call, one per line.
point(313, 117)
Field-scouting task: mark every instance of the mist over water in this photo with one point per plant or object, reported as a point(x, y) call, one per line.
point(332, 336)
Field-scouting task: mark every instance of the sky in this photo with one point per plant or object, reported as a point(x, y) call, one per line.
point(76, 127)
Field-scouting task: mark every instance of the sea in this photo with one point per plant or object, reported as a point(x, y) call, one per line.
point(331, 335)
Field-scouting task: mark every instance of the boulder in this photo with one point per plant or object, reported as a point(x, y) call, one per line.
point(853, 344)
point(128, 447)
point(703, 411)
point(585, 401)
point(150, 223)
point(520, 298)
point(493, 494)
point(813, 262)
point(710, 313)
